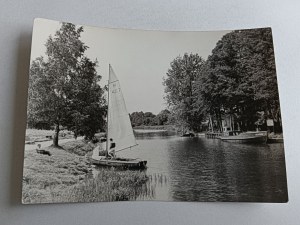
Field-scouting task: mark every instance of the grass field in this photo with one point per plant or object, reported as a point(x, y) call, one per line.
point(66, 176)
point(44, 176)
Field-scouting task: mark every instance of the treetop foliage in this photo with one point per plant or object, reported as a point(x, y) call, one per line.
point(149, 119)
point(237, 79)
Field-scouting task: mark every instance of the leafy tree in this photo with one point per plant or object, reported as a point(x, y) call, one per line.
point(149, 119)
point(218, 89)
point(239, 79)
point(258, 61)
point(63, 88)
point(137, 118)
point(87, 109)
point(141, 118)
point(179, 88)
point(163, 117)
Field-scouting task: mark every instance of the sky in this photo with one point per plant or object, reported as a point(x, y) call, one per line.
point(140, 58)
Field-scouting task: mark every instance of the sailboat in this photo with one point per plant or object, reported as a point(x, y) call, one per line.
point(119, 134)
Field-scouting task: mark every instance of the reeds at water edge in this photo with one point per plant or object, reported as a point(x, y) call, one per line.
point(111, 185)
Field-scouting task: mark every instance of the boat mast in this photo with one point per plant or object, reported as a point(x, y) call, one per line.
point(107, 111)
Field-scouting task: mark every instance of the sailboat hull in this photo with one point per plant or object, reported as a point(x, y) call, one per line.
point(123, 163)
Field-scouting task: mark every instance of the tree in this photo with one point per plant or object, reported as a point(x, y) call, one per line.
point(87, 110)
point(257, 58)
point(163, 117)
point(137, 118)
point(179, 89)
point(63, 88)
point(239, 79)
point(218, 89)
point(149, 119)
point(141, 118)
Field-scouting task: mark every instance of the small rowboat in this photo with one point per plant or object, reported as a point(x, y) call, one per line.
point(189, 134)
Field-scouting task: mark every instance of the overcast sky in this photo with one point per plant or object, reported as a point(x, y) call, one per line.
point(139, 58)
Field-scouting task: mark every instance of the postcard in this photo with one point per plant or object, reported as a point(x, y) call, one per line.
point(137, 115)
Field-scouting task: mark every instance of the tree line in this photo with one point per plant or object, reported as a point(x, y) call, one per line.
point(150, 119)
point(238, 80)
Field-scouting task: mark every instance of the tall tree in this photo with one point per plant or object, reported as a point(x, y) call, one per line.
point(239, 79)
point(87, 109)
point(179, 89)
point(258, 61)
point(220, 83)
point(60, 82)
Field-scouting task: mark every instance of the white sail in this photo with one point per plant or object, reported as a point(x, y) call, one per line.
point(119, 125)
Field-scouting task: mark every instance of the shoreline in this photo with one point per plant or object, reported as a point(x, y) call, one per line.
point(55, 178)
point(149, 130)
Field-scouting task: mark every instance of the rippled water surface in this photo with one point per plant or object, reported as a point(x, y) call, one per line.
point(200, 169)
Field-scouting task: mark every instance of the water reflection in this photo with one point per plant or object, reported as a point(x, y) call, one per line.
point(147, 134)
point(211, 170)
point(200, 169)
point(156, 181)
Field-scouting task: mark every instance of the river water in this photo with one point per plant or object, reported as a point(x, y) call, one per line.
point(200, 169)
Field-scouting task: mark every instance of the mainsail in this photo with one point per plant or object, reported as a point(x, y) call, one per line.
point(119, 126)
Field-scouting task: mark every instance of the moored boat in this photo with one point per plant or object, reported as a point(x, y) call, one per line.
point(119, 134)
point(188, 134)
point(247, 137)
point(275, 140)
point(124, 163)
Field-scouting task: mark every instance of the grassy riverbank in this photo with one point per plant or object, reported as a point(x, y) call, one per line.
point(45, 177)
point(64, 177)
point(109, 185)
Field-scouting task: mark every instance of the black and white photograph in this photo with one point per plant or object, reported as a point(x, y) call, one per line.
point(148, 115)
